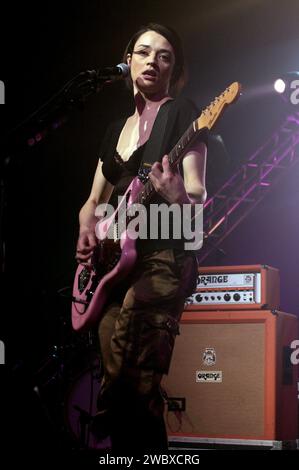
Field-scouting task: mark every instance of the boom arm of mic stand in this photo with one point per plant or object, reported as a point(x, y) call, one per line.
point(37, 125)
point(73, 94)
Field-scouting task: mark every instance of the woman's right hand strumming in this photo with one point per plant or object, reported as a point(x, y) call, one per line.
point(100, 193)
point(86, 243)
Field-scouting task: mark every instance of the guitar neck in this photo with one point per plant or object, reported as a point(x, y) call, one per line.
point(206, 120)
point(174, 156)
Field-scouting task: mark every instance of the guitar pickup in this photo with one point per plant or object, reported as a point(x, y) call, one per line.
point(83, 279)
point(143, 172)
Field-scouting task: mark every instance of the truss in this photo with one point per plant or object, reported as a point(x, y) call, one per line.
point(249, 184)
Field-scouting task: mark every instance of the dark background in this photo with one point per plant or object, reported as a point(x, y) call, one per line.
point(45, 44)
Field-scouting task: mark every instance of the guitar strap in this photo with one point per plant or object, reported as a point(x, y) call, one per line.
point(154, 146)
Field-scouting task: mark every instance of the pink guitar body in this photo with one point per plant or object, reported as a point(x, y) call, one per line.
point(113, 258)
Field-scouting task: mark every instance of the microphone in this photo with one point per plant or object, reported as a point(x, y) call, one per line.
point(91, 81)
point(113, 73)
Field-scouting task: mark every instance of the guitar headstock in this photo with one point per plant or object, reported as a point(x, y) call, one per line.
point(212, 112)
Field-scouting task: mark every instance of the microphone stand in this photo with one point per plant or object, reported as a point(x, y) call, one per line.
point(50, 116)
point(84, 420)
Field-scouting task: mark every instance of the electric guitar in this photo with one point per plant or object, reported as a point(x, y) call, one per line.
point(115, 255)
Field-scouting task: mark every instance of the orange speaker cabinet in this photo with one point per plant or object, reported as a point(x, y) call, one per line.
point(231, 376)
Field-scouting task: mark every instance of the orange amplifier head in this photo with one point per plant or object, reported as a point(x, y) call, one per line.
point(236, 287)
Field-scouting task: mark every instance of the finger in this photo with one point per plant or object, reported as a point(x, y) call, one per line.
point(155, 181)
point(82, 244)
point(87, 244)
point(166, 164)
point(85, 264)
point(167, 168)
point(156, 169)
point(80, 257)
point(84, 249)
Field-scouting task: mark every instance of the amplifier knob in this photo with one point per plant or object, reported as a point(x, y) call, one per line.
point(198, 298)
point(237, 297)
point(226, 297)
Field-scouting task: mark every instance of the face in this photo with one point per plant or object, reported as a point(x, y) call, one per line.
point(151, 63)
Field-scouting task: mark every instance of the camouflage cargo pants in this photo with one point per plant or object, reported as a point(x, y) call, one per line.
point(137, 334)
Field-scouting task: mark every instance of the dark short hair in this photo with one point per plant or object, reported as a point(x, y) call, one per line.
point(178, 75)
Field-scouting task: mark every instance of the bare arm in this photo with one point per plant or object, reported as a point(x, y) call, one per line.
point(100, 193)
point(194, 167)
point(171, 185)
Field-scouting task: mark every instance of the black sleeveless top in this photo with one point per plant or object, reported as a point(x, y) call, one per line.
point(120, 173)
